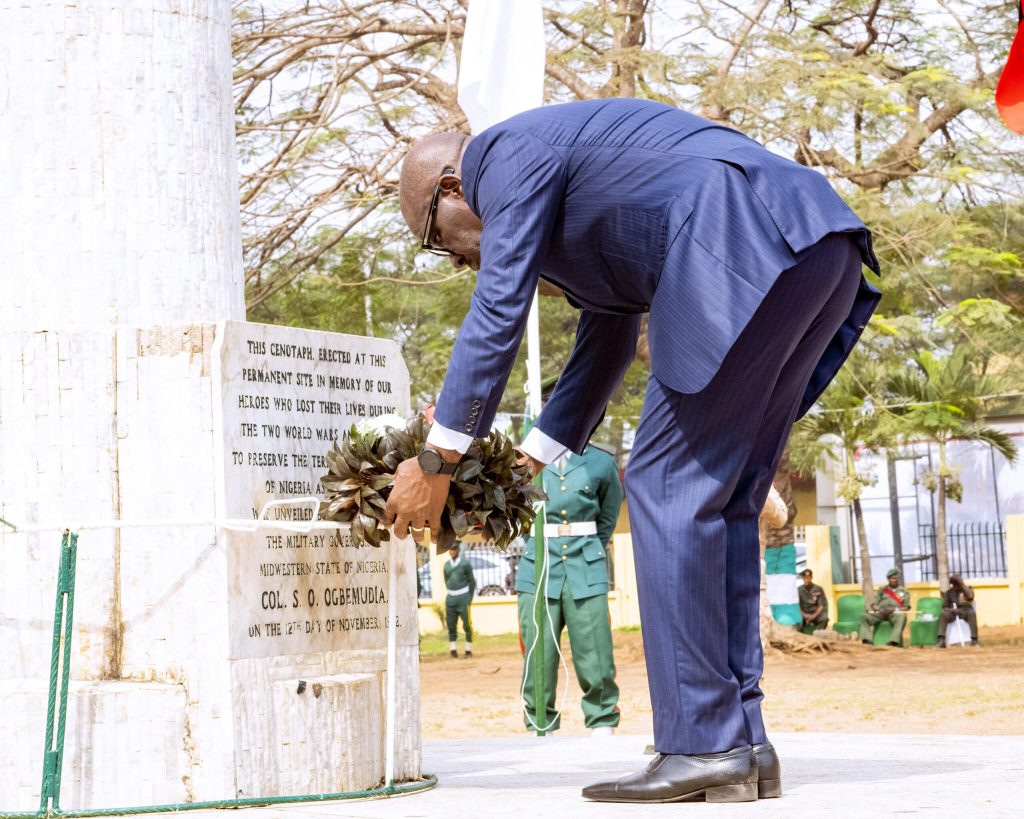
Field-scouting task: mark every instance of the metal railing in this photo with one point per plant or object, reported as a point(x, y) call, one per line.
point(494, 569)
point(976, 549)
point(423, 572)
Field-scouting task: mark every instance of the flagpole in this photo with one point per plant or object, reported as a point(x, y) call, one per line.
point(501, 73)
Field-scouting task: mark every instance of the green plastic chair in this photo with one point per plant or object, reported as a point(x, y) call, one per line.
point(926, 632)
point(849, 608)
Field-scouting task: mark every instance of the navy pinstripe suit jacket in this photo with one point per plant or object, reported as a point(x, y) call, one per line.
point(631, 206)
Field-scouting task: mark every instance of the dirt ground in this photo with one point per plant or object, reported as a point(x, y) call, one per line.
point(855, 689)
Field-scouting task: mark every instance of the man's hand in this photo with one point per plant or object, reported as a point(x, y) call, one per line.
point(536, 467)
point(416, 500)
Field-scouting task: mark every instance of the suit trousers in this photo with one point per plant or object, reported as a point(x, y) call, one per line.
point(697, 477)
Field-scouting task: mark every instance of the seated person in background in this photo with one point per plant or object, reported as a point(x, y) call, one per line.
point(892, 601)
point(813, 603)
point(958, 601)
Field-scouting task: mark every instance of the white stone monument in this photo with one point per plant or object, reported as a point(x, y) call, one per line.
point(207, 662)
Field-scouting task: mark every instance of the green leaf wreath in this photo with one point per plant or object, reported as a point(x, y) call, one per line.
point(489, 491)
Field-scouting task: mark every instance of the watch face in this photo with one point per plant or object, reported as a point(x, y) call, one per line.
point(430, 461)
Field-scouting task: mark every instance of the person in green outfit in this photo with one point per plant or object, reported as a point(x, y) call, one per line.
point(892, 602)
point(461, 584)
point(813, 603)
point(585, 495)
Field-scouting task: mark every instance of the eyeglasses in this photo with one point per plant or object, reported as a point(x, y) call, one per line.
point(428, 229)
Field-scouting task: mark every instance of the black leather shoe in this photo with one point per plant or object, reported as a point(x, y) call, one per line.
point(454, 653)
point(725, 777)
point(769, 772)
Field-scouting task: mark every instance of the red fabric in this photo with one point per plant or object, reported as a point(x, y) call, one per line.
point(1010, 91)
point(894, 596)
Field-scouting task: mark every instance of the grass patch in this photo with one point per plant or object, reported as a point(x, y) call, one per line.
point(435, 644)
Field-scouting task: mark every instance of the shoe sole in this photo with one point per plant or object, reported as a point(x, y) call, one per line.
point(745, 792)
point(769, 789)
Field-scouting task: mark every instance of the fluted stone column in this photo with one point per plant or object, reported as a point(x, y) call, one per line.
point(119, 218)
point(117, 164)
point(120, 222)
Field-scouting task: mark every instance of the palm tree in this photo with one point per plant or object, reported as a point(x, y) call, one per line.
point(845, 422)
point(945, 401)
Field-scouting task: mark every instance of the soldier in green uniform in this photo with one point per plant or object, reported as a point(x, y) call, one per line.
point(584, 494)
point(813, 603)
point(461, 584)
point(892, 601)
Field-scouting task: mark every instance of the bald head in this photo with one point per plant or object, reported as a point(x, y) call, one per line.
point(455, 230)
point(424, 163)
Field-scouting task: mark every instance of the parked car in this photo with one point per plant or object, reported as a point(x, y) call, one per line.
point(494, 572)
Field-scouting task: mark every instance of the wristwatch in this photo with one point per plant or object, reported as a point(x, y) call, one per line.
point(432, 463)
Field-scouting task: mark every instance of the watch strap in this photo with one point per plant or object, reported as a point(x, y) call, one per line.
point(444, 468)
point(447, 468)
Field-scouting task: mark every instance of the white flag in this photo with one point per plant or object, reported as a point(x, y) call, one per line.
point(501, 72)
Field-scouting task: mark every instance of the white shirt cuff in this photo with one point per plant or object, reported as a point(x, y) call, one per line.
point(446, 438)
point(542, 447)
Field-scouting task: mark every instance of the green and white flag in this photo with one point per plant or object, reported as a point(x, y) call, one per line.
point(780, 577)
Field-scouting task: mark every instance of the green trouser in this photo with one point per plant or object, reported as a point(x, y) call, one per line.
point(590, 637)
point(456, 606)
point(870, 619)
point(820, 623)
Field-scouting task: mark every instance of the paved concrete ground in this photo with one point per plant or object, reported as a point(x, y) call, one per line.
point(824, 775)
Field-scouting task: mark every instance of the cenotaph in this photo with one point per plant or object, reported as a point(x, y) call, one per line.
point(208, 661)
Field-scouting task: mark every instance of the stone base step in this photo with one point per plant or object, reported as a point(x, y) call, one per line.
point(326, 736)
point(126, 743)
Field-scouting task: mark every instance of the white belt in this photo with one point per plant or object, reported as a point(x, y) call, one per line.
point(463, 590)
point(588, 527)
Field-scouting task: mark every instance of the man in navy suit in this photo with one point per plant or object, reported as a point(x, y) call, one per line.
point(750, 268)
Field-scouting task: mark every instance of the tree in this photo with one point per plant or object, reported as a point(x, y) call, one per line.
point(329, 96)
point(946, 400)
point(845, 422)
point(893, 104)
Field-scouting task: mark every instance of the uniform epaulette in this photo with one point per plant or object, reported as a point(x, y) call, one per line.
point(608, 448)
